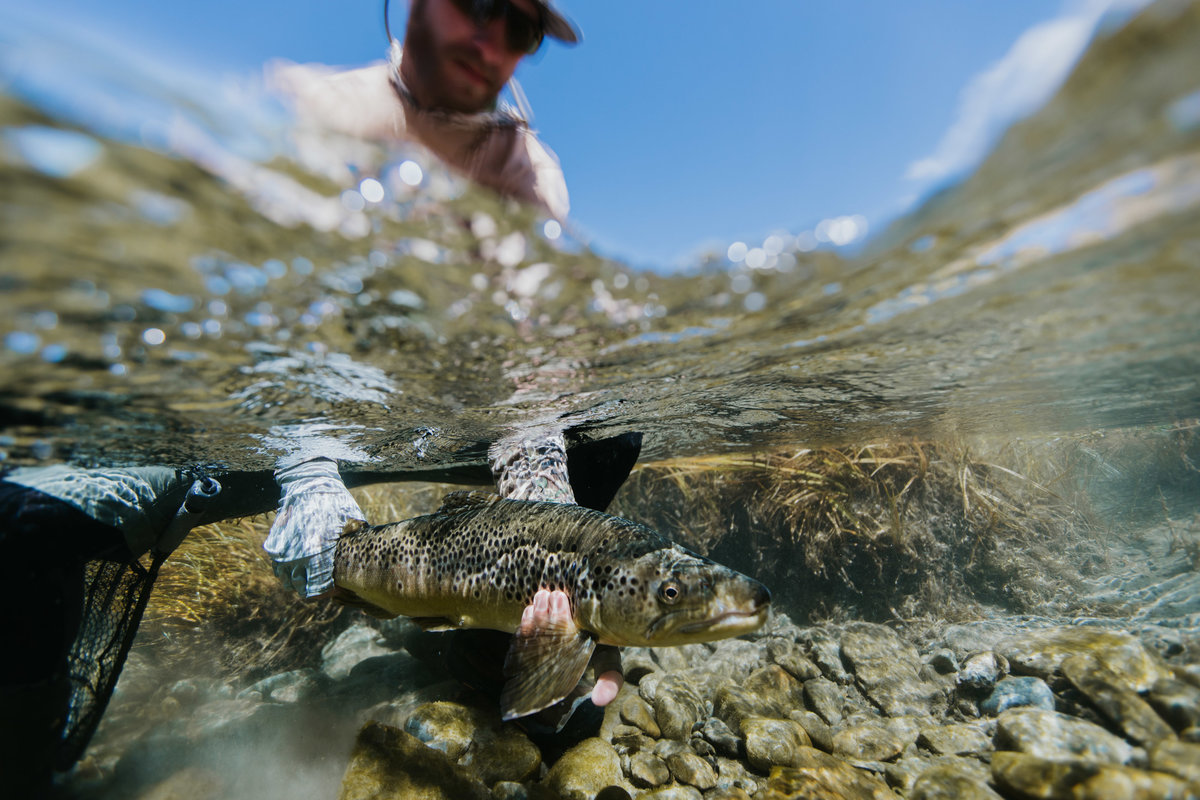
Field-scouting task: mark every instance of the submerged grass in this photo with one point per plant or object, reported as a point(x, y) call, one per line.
point(890, 530)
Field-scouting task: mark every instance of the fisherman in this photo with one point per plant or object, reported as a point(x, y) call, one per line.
point(441, 90)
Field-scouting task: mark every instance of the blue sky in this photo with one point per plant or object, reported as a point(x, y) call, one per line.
point(690, 124)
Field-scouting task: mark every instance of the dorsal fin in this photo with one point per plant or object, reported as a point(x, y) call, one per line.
point(461, 501)
point(354, 527)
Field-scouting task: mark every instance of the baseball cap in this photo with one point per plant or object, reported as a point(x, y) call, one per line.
point(557, 25)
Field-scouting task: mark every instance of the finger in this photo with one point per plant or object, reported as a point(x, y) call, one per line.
point(606, 688)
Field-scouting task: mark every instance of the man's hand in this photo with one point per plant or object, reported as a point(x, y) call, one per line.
point(546, 609)
point(314, 509)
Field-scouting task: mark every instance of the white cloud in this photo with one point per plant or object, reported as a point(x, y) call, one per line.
point(1016, 85)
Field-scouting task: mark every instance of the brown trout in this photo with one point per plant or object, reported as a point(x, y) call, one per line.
point(478, 560)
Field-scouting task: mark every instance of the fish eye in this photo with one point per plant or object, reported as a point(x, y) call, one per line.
point(670, 591)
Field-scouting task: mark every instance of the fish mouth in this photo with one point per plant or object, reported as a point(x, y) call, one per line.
point(729, 619)
point(725, 624)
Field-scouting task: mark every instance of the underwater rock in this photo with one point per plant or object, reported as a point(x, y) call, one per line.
point(693, 770)
point(957, 739)
point(1119, 704)
point(819, 775)
point(883, 666)
point(903, 773)
point(867, 741)
point(508, 790)
point(288, 687)
point(672, 793)
point(730, 659)
point(1177, 702)
point(508, 757)
point(477, 740)
point(980, 672)
point(817, 729)
point(389, 764)
point(826, 698)
point(727, 793)
point(647, 770)
point(773, 742)
point(826, 653)
point(950, 782)
point(445, 726)
point(353, 645)
point(776, 688)
point(1017, 692)
point(1049, 734)
point(733, 774)
point(1181, 759)
point(584, 770)
point(1030, 776)
point(721, 737)
point(787, 654)
point(677, 706)
point(396, 710)
point(732, 704)
point(637, 663)
point(637, 712)
point(1041, 654)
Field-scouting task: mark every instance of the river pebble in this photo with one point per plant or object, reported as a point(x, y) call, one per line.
point(1041, 654)
point(584, 770)
point(353, 645)
point(389, 764)
point(693, 770)
point(1049, 734)
point(885, 668)
point(759, 728)
point(825, 698)
point(964, 738)
point(1181, 759)
point(773, 742)
point(647, 770)
point(867, 741)
point(637, 712)
point(1177, 702)
point(819, 775)
point(677, 707)
point(1016, 692)
point(788, 654)
point(722, 738)
point(980, 672)
point(1122, 706)
point(1026, 775)
point(950, 782)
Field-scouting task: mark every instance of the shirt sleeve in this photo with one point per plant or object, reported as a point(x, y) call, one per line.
point(534, 175)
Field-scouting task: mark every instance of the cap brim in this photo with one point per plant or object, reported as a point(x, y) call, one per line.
point(558, 26)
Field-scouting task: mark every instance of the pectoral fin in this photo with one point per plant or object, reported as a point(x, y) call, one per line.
point(544, 664)
point(434, 624)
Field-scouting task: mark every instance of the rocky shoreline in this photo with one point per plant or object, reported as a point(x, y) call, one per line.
point(1012, 708)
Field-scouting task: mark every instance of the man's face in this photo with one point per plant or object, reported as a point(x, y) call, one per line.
point(452, 63)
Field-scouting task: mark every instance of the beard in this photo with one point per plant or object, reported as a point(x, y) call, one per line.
point(430, 76)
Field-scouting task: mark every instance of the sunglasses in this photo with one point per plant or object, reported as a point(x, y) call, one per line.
point(522, 33)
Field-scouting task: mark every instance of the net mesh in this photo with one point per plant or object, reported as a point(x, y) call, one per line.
point(114, 597)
